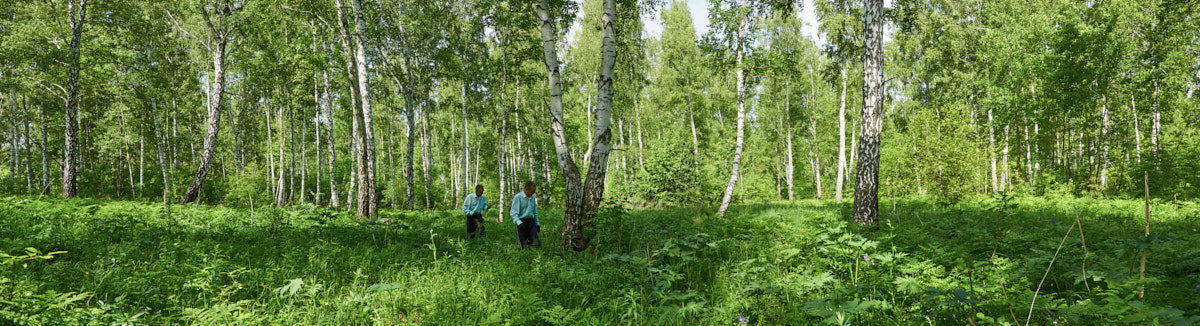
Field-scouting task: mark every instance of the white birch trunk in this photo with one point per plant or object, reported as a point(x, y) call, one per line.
point(741, 115)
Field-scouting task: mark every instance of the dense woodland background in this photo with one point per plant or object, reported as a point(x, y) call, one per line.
point(1027, 96)
point(1037, 162)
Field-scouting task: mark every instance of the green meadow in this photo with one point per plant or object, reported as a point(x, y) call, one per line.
point(980, 262)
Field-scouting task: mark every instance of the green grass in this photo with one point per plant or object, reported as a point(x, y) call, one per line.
point(778, 263)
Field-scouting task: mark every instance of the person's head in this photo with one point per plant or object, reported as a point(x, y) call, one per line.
point(530, 188)
point(478, 190)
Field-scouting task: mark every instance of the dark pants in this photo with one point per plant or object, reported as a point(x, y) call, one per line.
point(527, 233)
point(474, 221)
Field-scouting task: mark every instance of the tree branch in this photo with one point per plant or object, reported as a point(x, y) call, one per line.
point(181, 29)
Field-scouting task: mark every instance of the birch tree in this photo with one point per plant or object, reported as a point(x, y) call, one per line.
point(866, 189)
point(219, 28)
point(77, 15)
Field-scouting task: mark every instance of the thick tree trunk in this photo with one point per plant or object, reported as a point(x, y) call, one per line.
point(866, 189)
point(216, 93)
point(368, 199)
point(841, 172)
point(573, 192)
point(741, 116)
point(77, 14)
point(349, 57)
point(575, 231)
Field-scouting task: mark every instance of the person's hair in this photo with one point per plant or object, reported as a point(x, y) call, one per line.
point(477, 187)
point(529, 184)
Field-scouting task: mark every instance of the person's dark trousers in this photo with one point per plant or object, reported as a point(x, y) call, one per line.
point(473, 222)
point(533, 236)
point(527, 232)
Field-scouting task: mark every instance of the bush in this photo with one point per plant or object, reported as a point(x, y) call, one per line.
point(671, 175)
point(249, 186)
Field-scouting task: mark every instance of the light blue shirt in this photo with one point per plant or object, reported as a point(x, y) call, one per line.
point(474, 205)
point(524, 207)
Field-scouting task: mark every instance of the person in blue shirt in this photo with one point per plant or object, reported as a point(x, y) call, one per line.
point(524, 214)
point(474, 206)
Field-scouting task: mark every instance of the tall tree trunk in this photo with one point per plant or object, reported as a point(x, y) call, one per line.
point(638, 118)
point(841, 173)
point(216, 93)
point(45, 185)
point(237, 143)
point(812, 132)
point(426, 159)
point(270, 155)
point(1037, 150)
point(1137, 131)
point(992, 150)
point(574, 228)
point(77, 14)
point(349, 58)
point(812, 148)
point(161, 136)
point(304, 153)
point(1005, 181)
point(280, 185)
point(866, 189)
point(692, 122)
point(573, 192)
point(741, 115)
point(141, 160)
point(391, 138)
point(466, 161)
point(1028, 153)
point(331, 155)
point(501, 151)
point(367, 183)
point(28, 145)
point(317, 135)
point(1155, 127)
point(787, 120)
point(408, 157)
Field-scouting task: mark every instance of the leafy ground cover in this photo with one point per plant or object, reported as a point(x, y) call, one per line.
point(980, 262)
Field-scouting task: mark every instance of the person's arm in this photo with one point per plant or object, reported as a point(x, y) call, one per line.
point(514, 210)
point(485, 205)
point(534, 211)
point(465, 207)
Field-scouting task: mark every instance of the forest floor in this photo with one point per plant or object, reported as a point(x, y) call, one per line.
point(981, 261)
